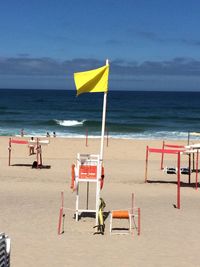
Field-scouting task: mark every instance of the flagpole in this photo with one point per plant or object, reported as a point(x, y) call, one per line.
point(103, 121)
point(101, 153)
point(95, 81)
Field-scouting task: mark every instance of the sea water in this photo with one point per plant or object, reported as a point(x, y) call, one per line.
point(130, 114)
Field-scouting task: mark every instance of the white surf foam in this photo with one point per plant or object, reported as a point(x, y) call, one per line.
point(69, 123)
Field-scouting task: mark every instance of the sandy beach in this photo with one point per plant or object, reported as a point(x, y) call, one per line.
point(30, 202)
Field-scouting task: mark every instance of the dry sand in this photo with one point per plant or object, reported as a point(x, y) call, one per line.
point(30, 201)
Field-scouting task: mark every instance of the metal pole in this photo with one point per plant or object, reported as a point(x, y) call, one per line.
point(162, 156)
point(9, 150)
point(101, 152)
point(189, 174)
point(188, 141)
point(146, 164)
point(178, 182)
point(40, 155)
point(103, 125)
point(197, 168)
point(193, 160)
point(37, 151)
point(61, 214)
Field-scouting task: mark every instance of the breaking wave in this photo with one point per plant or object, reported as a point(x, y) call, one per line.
point(69, 123)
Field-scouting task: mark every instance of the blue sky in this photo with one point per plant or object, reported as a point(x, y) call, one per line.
point(151, 44)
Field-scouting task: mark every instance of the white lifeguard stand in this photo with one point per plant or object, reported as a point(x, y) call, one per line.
point(88, 170)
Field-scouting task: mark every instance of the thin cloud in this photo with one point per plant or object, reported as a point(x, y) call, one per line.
point(153, 37)
point(24, 55)
point(112, 42)
point(190, 42)
point(47, 66)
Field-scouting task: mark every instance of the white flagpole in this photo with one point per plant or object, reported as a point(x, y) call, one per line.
point(103, 121)
point(101, 153)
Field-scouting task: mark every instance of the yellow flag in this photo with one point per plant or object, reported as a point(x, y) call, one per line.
point(92, 81)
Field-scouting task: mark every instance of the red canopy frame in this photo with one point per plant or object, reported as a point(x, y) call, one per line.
point(177, 152)
point(170, 146)
point(166, 151)
point(181, 148)
point(25, 142)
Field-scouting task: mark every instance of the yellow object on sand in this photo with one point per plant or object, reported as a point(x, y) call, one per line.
point(92, 81)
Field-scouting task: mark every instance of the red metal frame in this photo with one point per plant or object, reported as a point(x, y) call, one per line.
point(166, 151)
point(171, 146)
point(25, 142)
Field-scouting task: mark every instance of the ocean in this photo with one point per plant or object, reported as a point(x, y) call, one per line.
point(130, 114)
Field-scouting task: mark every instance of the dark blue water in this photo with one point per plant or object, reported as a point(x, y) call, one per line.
point(129, 114)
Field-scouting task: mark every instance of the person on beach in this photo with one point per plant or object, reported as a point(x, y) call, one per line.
point(22, 133)
point(54, 134)
point(31, 147)
point(48, 135)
